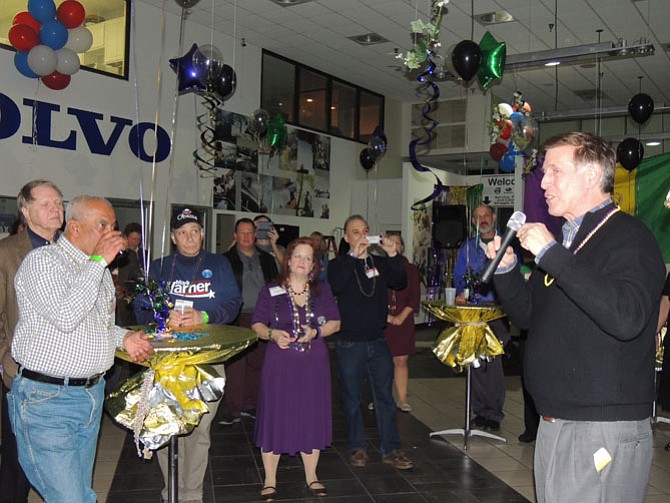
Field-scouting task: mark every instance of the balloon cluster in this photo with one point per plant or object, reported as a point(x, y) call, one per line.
point(512, 132)
point(270, 134)
point(202, 70)
point(374, 151)
point(47, 41)
point(486, 59)
point(630, 151)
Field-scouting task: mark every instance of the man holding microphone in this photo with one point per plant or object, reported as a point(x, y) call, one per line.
point(591, 308)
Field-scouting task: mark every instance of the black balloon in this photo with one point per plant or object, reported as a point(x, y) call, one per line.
point(225, 84)
point(466, 58)
point(187, 4)
point(629, 153)
point(367, 159)
point(640, 107)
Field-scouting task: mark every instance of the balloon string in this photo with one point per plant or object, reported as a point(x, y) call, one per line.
point(159, 94)
point(428, 84)
point(145, 222)
point(173, 127)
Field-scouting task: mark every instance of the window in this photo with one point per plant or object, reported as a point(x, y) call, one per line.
point(314, 100)
point(108, 22)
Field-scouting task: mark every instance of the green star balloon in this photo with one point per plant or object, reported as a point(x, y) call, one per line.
point(493, 60)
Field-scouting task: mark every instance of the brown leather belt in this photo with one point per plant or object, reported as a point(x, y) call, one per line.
point(87, 382)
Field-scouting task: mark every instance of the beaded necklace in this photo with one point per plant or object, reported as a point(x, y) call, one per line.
point(374, 278)
point(548, 279)
point(298, 331)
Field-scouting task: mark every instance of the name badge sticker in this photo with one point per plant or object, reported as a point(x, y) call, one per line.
point(372, 272)
point(277, 290)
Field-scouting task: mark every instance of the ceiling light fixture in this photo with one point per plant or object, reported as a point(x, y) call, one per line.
point(495, 17)
point(579, 54)
point(289, 3)
point(368, 39)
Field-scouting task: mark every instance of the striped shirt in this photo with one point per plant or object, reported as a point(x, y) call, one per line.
point(66, 313)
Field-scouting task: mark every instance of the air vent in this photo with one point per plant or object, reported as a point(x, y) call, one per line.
point(590, 94)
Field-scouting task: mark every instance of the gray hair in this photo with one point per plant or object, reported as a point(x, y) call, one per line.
point(25, 195)
point(74, 208)
point(352, 218)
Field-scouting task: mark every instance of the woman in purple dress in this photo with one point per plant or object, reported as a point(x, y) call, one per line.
point(295, 314)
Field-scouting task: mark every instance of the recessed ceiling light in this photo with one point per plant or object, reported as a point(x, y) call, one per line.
point(495, 17)
point(289, 3)
point(368, 39)
point(552, 63)
point(653, 143)
point(309, 100)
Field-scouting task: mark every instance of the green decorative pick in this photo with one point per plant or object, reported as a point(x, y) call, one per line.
point(493, 60)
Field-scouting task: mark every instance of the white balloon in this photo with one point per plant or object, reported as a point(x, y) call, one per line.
point(68, 61)
point(505, 109)
point(42, 60)
point(79, 39)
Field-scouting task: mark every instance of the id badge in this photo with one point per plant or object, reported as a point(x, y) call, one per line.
point(372, 272)
point(277, 290)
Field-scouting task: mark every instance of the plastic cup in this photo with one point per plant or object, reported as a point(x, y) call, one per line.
point(450, 296)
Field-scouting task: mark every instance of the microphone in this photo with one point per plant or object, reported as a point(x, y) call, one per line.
point(514, 223)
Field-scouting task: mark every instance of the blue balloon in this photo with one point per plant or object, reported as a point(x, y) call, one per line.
point(506, 164)
point(21, 64)
point(53, 34)
point(42, 10)
point(187, 76)
point(517, 119)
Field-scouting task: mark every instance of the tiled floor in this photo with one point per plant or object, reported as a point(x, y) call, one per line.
point(488, 472)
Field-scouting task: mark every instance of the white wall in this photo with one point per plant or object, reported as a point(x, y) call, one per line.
point(119, 175)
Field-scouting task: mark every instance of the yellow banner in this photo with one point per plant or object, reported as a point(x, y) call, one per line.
point(624, 189)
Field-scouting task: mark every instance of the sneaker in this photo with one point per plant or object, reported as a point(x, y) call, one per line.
point(405, 407)
point(359, 458)
point(492, 425)
point(229, 419)
point(526, 437)
point(478, 422)
point(399, 460)
point(251, 413)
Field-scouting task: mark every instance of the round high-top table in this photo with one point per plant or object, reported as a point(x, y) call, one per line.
point(462, 345)
point(177, 364)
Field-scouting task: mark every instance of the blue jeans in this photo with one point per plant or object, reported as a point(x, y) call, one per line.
point(56, 430)
point(355, 361)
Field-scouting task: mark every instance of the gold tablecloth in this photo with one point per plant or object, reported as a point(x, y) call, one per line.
point(169, 398)
point(470, 338)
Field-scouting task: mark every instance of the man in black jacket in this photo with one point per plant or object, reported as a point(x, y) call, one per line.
point(253, 268)
point(359, 281)
point(591, 309)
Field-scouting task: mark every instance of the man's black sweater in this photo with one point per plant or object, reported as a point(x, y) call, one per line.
point(590, 349)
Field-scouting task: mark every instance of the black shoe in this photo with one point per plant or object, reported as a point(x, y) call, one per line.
point(526, 437)
point(478, 422)
point(229, 419)
point(492, 425)
point(251, 413)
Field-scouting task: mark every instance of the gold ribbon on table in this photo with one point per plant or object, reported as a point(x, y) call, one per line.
point(169, 398)
point(471, 338)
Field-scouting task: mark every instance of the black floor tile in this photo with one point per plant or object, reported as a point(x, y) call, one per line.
point(235, 475)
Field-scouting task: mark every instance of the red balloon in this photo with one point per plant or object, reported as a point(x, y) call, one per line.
point(497, 151)
point(71, 13)
point(25, 18)
point(56, 81)
point(506, 132)
point(23, 37)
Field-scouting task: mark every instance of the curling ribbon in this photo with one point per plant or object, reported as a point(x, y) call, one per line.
point(204, 157)
point(425, 78)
